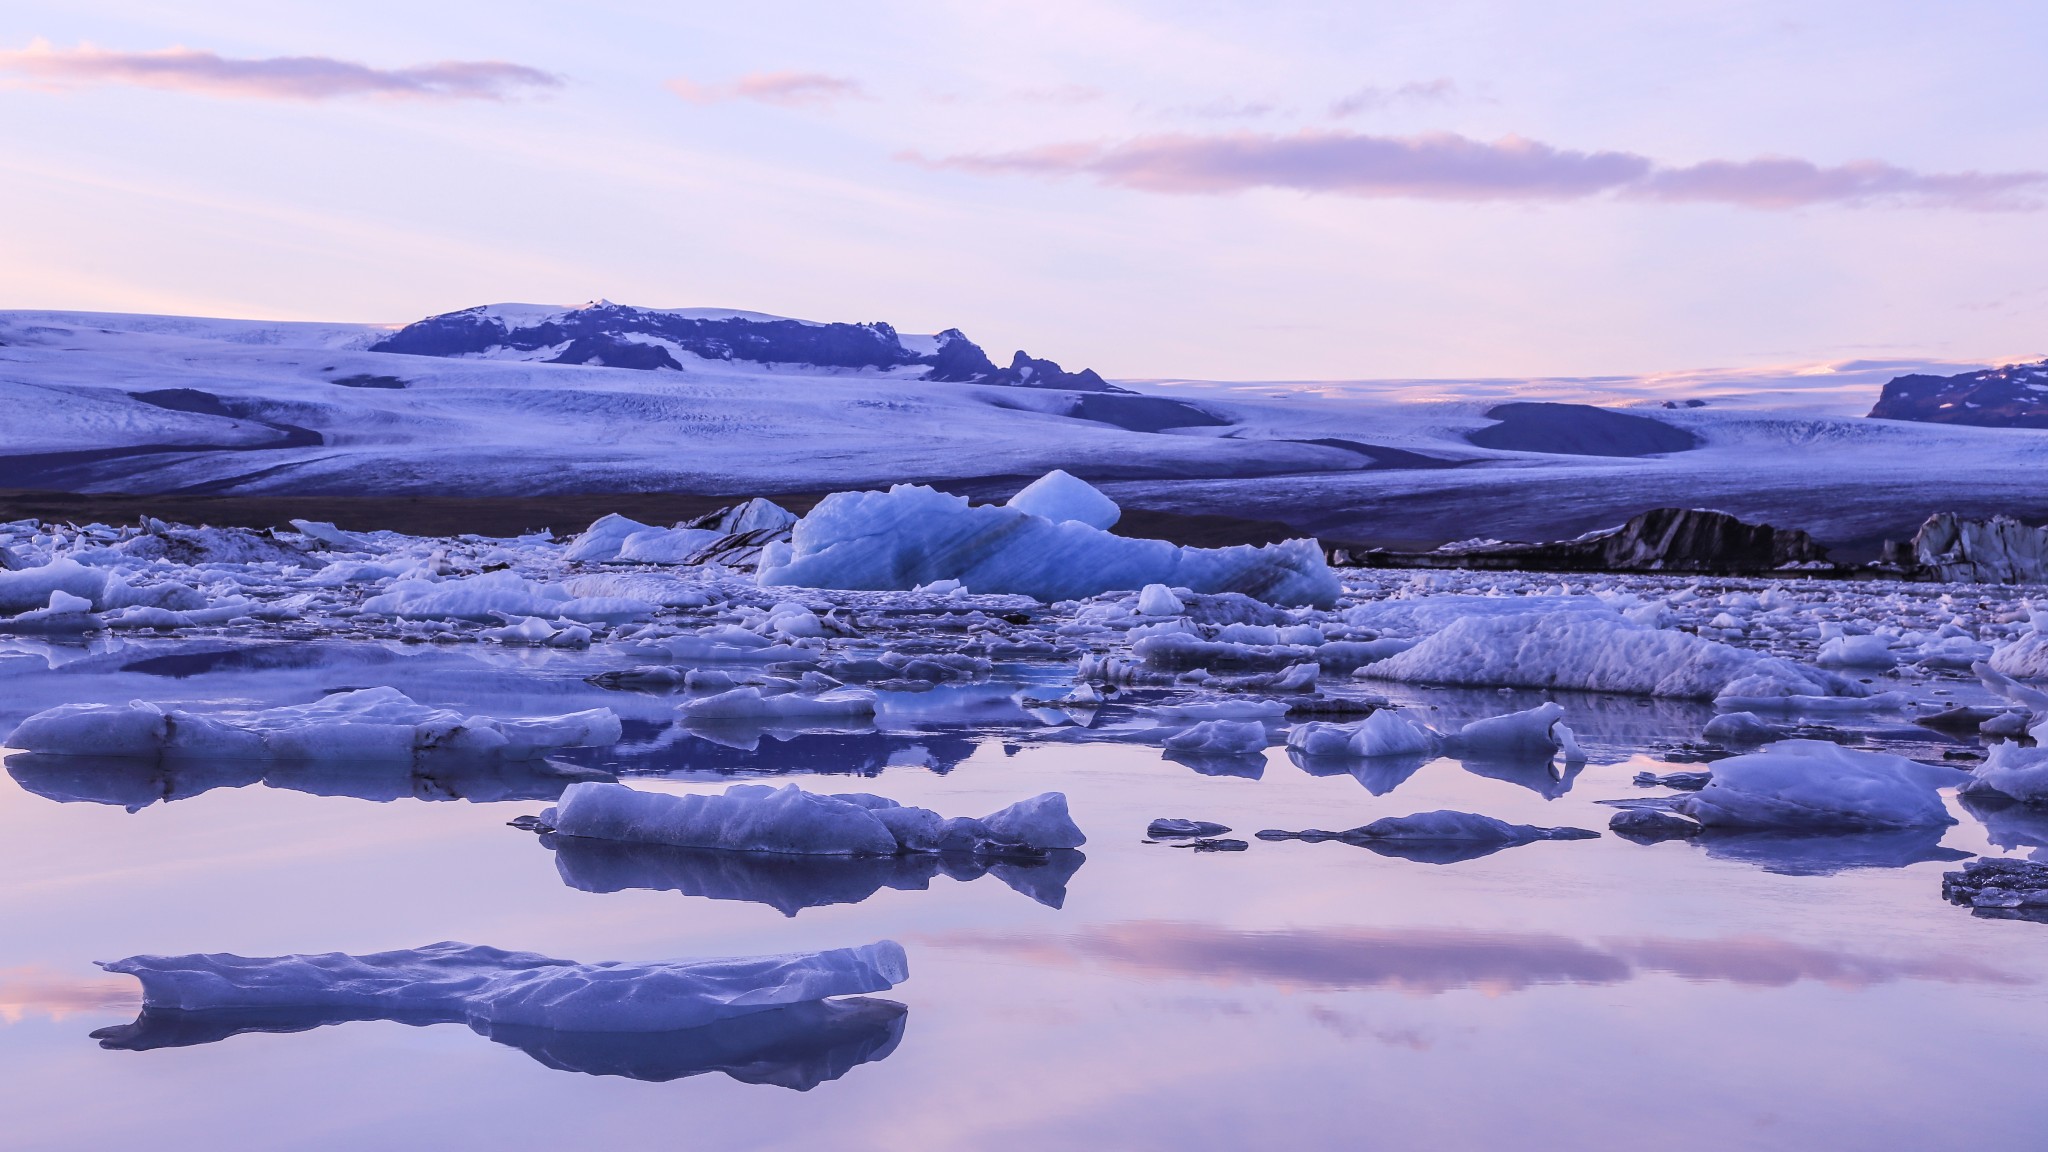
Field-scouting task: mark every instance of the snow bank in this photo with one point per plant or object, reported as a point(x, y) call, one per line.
point(1814, 785)
point(492, 986)
point(1599, 652)
point(370, 724)
point(789, 820)
point(912, 535)
point(1059, 497)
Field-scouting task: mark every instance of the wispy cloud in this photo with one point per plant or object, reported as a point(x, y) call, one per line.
point(786, 89)
point(273, 77)
point(1372, 97)
point(1447, 166)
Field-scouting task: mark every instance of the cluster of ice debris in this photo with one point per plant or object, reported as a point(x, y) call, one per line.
point(912, 608)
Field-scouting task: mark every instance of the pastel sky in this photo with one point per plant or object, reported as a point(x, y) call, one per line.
point(1193, 188)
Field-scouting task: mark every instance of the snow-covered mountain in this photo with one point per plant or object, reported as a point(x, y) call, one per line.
point(2015, 396)
point(493, 403)
point(621, 336)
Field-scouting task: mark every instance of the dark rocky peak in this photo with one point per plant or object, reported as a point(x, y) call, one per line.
point(649, 339)
point(1659, 540)
point(2015, 396)
point(1029, 372)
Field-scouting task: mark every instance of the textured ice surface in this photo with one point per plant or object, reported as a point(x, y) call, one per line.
point(496, 987)
point(912, 535)
point(1598, 652)
point(370, 724)
point(791, 821)
point(2013, 773)
point(1814, 785)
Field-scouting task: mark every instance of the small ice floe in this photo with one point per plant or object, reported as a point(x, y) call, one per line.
point(1440, 837)
point(1683, 781)
point(753, 704)
point(1868, 651)
point(2000, 889)
point(490, 987)
point(1172, 828)
point(1742, 728)
point(533, 631)
point(789, 820)
point(1599, 651)
point(366, 725)
point(1159, 600)
point(492, 596)
point(1383, 733)
point(1652, 824)
point(2012, 773)
point(2027, 656)
point(912, 535)
point(1219, 738)
point(65, 614)
point(791, 883)
point(1818, 786)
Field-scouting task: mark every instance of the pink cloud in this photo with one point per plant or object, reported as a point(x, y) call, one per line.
point(786, 89)
point(275, 77)
point(1446, 166)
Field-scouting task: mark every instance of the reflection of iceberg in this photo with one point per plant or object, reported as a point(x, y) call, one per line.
point(135, 783)
point(1822, 854)
point(788, 883)
point(2010, 825)
point(690, 753)
point(1249, 766)
point(1379, 774)
point(1538, 773)
point(799, 1046)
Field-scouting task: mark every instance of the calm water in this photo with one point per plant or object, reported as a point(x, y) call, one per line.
point(1557, 995)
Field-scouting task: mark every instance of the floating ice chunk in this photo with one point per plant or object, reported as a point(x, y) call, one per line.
point(64, 613)
point(30, 588)
point(1814, 785)
point(1225, 709)
point(1598, 652)
point(492, 986)
point(665, 545)
point(370, 724)
point(1170, 828)
point(1219, 738)
point(2013, 773)
point(1060, 497)
point(913, 535)
point(789, 820)
point(750, 704)
point(1159, 600)
point(2027, 656)
point(1445, 824)
point(334, 538)
point(2000, 889)
point(1742, 728)
point(1383, 733)
point(1517, 733)
point(1041, 822)
point(1648, 824)
point(493, 595)
point(1856, 652)
point(603, 539)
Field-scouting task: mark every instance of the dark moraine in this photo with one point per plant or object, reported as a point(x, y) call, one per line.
point(366, 380)
point(1578, 430)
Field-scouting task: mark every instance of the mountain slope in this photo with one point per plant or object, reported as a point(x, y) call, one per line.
point(2015, 396)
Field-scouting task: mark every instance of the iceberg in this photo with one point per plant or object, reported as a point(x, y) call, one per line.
point(494, 596)
point(1814, 785)
point(750, 703)
point(603, 539)
point(1383, 733)
point(791, 821)
point(799, 1046)
point(1440, 837)
point(491, 986)
point(1219, 738)
point(1599, 652)
point(665, 545)
point(2027, 656)
point(365, 725)
point(912, 535)
point(2011, 773)
point(1060, 497)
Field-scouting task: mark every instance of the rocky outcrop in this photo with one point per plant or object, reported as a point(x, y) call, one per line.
point(2015, 396)
point(1660, 540)
point(1949, 548)
point(651, 339)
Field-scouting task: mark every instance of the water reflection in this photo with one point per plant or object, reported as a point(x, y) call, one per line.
point(800, 1046)
point(1824, 854)
point(701, 752)
point(1436, 960)
point(1379, 774)
point(135, 783)
point(1539, 774)
point(1244, 766)
point(790, 884)
point(2010, 825)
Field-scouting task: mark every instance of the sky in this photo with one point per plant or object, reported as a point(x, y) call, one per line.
point(1184, 188)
